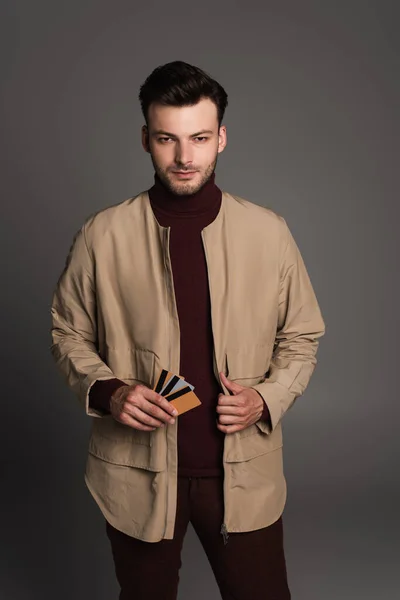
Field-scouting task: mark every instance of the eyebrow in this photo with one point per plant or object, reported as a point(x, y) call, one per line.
point(171, 135)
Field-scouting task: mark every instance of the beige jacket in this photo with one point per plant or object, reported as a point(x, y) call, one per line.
point(114, 315)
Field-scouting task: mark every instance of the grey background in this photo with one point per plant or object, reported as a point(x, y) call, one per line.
point(312, 133)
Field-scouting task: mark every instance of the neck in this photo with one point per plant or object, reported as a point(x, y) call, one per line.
point(188, 204)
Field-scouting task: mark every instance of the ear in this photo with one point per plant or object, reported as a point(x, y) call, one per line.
point(145, 138)
point(222, 138)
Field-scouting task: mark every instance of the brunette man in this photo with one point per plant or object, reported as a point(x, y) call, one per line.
point(209, 286)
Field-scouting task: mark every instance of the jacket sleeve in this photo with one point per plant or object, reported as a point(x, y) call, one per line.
point(300, 324)
point(101, 392)
point(74, 329)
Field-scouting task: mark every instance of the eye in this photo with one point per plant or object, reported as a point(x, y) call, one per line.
point(201, 138)
point(164, 140)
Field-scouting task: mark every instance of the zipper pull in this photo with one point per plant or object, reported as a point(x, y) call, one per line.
point(224, 533)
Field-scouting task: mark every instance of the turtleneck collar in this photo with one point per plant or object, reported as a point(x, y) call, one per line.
point(206, 200)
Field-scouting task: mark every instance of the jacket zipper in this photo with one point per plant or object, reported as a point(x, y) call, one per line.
point(170, 292)
point(223, 531)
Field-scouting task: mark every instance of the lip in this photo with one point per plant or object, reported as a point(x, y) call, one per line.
point(184, 174)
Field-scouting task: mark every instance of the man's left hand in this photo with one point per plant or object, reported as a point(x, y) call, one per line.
point(239, 411)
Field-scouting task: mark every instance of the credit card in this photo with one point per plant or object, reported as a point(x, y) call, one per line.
point(177, 391)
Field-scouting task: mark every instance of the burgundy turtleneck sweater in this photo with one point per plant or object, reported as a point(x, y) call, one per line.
point(200, 442)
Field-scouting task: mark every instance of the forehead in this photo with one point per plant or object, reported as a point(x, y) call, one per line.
point(182, 120)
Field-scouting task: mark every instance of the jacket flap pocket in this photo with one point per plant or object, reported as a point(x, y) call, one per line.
point(247, 366)
point(251, 442)
point(132, 364)
point(119, 444)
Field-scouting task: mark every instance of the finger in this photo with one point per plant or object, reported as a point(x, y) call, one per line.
point(238, 411)
point(230, 428)
point(230, 419)
point(156, 412)
point(143, 418)
point(230, 400)
point(126, 419)
point(159, 400)
point(231, 385)
point(137, 399)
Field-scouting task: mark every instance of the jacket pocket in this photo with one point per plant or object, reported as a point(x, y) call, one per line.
point(248, 366)
point(253, 443)
point(132, 364)
point(119, 444)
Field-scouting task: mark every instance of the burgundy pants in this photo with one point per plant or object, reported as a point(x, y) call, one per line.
point(250, 566)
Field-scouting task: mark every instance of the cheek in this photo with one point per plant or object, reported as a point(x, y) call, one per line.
point(162, 156)
point(212, 153)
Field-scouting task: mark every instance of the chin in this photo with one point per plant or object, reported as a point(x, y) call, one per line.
point(183, 189)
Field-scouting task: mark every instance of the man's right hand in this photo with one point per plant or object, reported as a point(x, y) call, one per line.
point(141, 408)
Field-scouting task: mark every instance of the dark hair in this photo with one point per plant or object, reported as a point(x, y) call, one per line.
point(180, 84)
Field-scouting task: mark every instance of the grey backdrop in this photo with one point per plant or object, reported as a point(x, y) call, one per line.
point(312, 133)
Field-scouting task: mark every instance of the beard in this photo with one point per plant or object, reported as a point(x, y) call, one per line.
point(184, 188)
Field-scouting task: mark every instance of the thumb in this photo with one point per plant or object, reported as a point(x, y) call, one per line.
point(233, 387)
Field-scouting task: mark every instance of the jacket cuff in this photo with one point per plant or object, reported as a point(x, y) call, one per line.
point(266, 415)
point(101, 392)
point(264, 423)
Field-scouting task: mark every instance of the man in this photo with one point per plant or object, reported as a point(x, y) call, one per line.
point(187, 278)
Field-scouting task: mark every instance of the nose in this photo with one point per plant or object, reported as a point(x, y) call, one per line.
point(183, 155)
